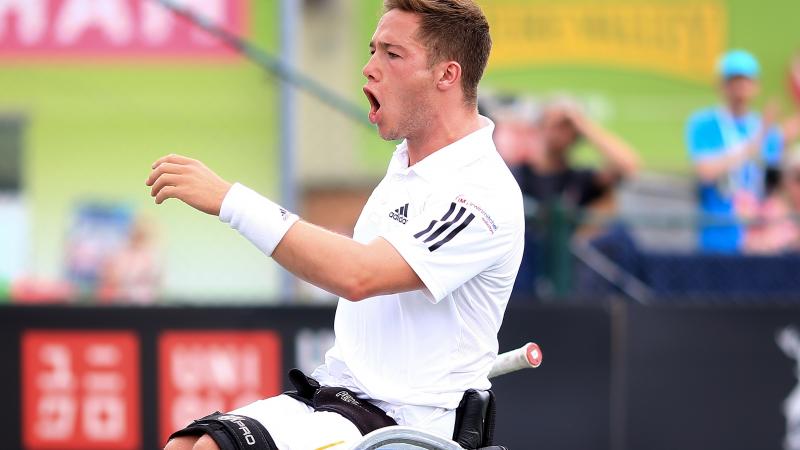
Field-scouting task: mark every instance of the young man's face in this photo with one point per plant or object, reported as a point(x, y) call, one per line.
point(739, 90)
point(400, 83)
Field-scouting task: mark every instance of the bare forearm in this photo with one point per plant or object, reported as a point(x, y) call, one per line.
point(324, 259)
point(619, 155)
point(713, 168)
point(343, 266)
point(333, 262)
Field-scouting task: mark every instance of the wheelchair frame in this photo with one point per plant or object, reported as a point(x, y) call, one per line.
point(408, 438)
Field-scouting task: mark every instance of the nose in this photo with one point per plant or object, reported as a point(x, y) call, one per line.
point(370, 70)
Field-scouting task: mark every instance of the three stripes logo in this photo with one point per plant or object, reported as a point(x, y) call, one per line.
point(400, 214)
point(441, 231)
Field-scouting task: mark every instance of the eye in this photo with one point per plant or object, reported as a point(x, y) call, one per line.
point(393, 55)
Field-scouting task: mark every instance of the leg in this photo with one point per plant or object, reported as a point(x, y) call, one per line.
point(243, 427)
point(295, 426)
point(289, 424)
point(324, 430)
point(205, 443)
point(181, 443)
point(276, 414)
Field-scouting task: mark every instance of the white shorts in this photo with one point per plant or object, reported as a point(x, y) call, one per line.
point(294, 425)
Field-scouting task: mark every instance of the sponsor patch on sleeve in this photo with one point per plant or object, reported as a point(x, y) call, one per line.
point(482, 214)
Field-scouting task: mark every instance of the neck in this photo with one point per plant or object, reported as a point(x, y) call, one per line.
point(737, 109)
point(441, 130)
point(551, 162)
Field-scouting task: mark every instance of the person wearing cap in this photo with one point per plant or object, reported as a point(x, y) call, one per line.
point(731, 148)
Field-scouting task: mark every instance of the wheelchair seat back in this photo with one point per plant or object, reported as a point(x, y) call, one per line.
point(475, 418)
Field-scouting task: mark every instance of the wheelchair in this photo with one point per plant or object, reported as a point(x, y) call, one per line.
point(475, 415)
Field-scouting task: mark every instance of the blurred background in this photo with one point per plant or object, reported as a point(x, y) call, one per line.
point(655, 141)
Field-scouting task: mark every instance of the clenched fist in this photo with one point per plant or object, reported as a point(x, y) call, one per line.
point(188, 180)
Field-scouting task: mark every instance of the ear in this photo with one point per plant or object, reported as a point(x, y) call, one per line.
point(448, 75)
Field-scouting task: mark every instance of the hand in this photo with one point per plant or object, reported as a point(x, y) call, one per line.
point(575, 115)
point(769, 116)
point(791, 128)
point(188, 180)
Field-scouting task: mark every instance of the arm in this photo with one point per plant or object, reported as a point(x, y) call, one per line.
point(333, 262)
point(343, 266)
point(711, 168)
point(791, 128)
point(622, 160)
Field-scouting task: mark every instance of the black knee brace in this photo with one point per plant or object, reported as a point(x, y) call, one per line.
point(231, 432)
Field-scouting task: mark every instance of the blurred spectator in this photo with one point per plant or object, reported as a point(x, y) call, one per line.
point(775, 226)
point(794, 77)
point(548, 174)
point(98, 230)
point(515, 131)
point(731, 147)
point(548, 179)
point(133, 273)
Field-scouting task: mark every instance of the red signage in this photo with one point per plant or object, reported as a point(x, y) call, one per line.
point(80, 390)
point(205, 371)
point(113, 27)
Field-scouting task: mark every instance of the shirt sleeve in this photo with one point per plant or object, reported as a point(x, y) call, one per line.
point(454, 240)
point(703, 138)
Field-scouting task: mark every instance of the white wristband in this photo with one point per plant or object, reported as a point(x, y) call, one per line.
point(261, 221)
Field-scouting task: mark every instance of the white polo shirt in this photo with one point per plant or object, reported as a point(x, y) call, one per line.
point(456, 217)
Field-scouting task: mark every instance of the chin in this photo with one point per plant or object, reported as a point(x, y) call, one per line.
point(388, 135)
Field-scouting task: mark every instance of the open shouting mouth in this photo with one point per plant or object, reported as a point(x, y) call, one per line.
point(374, 106)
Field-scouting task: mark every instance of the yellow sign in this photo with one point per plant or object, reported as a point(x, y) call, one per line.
point(682, 39)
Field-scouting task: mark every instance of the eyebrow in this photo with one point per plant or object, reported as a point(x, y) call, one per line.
point(384, 45)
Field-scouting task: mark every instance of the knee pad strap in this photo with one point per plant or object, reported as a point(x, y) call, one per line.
point(231, 432)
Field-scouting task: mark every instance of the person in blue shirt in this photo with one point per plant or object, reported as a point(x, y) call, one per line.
point(731, 148)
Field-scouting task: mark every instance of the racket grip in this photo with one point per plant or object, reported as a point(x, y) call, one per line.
point(529, 355)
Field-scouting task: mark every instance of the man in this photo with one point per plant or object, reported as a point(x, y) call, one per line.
point(731, 147)
point(425, 280)
point(550, 177)
point(514, 128)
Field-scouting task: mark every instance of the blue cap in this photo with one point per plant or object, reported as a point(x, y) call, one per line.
point(738, 63)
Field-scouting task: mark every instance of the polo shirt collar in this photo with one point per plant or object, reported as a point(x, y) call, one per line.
point(450, 157)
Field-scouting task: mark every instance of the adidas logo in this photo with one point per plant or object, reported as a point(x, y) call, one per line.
point(400, 214)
